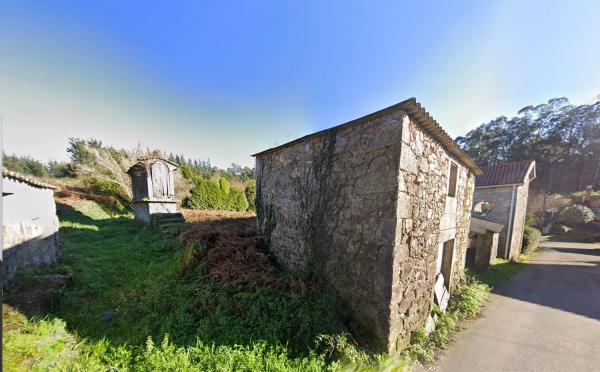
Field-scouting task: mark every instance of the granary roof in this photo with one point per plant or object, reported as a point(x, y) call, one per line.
point(416, 112)
point(513, 173)
point(26, 179)
point(481, 226)
point(148, 160)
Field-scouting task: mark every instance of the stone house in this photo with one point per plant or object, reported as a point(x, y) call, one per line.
point(29, 224)
point(376, 208)
point(500, 196)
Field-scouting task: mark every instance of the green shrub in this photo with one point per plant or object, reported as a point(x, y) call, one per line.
point(215, 194)
point(576, 214)
point(224, 185)
point(250, 192)
point(531, 239)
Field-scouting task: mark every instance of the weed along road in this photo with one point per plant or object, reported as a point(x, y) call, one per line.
point(546, 318)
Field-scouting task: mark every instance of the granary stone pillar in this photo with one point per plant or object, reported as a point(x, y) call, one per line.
point(153, 189)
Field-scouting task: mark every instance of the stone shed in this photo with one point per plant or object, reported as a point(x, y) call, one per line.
point(484, 237)
point(501, 194)
point(29, 224)
point(374, 208)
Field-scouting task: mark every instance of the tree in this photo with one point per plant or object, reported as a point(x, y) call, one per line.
point(24, 164)
point(563, 139)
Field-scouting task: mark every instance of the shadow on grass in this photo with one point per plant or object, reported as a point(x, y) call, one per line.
point(127, 286)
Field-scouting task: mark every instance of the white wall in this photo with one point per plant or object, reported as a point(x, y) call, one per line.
point(28, 213)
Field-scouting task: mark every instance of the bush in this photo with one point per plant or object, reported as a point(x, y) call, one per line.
point(250, 192)
point(215, 194)
point(531, 239)
point(546, 217)
point(558, 228)
point(576, 214)
point(224, 185)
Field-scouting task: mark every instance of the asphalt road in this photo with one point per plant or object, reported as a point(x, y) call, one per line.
point(546, 318)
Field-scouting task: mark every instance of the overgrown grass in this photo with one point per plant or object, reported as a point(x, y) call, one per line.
point(465, 303)
point(129, 307)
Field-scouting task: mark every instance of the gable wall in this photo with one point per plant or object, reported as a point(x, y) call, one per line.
point(327, 205)
point(501, 197)
point(426, 218)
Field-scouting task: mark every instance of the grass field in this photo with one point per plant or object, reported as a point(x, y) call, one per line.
point(147, 299)
point(130, 306)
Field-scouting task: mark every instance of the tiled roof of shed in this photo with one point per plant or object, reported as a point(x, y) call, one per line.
point(504, 174)
point(416, 112)
point(26, 179)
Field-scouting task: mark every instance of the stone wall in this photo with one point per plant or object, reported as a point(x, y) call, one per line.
point(363, 208)
point(427, 217)
point(29, 228)
point(485, 247)
point(328, 208)
point(519, 221)
point(501, 197)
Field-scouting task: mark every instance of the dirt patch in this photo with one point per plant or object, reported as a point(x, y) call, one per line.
point(203, 223)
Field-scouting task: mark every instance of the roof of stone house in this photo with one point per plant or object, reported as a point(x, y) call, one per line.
point(512, 173)
point(416, 112)
point(26, 179)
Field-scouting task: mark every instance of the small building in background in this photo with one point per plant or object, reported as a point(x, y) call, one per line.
point(500, 196)
point(378, 209)
point(483, 249)
point(29, 224)
point(153, 184)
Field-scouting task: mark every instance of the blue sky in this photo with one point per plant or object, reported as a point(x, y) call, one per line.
point(223, 80)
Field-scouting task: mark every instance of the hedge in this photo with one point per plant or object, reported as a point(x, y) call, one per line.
point(215, 194)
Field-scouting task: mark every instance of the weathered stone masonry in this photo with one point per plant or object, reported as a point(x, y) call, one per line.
point(364, 206)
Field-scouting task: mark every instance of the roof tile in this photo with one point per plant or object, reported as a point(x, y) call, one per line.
point(504, 174)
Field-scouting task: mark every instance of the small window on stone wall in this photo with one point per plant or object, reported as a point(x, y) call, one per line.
point(452, 180)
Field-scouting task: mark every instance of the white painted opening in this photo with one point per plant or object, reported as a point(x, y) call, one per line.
point(452, 179)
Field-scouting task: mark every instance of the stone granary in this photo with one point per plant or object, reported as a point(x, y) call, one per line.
point(376, 208)
point(29, 224)
point(153, 184)
point(501, 194)
point(483, 249)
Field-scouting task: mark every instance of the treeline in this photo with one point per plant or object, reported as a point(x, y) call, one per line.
point(101, 169)
point(190, 168)
point(564, 139)
point(33, 167)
